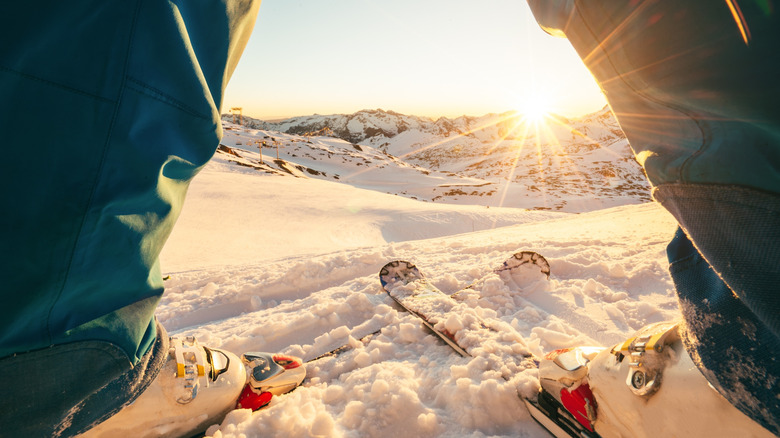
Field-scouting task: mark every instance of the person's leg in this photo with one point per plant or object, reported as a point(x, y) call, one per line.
point(734, 350)
point(694, 87)
point(109, 109)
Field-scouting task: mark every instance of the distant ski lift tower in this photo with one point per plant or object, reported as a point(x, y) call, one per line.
point(260, 145)
point(237, 110)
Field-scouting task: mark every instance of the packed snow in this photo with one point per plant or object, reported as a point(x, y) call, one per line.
point(261, 261)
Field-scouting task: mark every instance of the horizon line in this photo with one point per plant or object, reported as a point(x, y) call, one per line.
point(276, 119)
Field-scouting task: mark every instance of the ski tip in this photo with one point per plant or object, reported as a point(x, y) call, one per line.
point(522, 258)
point(398, 271)
point(397, 264)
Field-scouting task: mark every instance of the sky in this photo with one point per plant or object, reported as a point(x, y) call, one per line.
point(428, 58)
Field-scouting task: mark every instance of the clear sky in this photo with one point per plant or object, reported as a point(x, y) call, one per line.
point(421, 57)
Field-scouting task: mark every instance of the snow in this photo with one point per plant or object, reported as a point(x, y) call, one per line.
point(264, 262)
point(232, 216)
point(496, 160)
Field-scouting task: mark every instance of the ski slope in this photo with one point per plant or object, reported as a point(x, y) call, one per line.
point(274, 263)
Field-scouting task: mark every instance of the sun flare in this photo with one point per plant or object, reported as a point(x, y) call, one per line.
point(534, 107)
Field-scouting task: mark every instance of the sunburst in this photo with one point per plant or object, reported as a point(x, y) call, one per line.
point(534, 107)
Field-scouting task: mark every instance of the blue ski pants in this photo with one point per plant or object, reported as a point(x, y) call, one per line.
point(108, 109)
point(695, 87)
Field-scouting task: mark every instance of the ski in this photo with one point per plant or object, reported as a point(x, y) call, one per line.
point(442, 314)
point(517, 271)
point(452, 320)
point(276, 374)
point(344, 348)
point(404, 273)
point(554, 417)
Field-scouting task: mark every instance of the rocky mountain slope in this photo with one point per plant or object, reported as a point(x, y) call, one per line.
point(493, 160)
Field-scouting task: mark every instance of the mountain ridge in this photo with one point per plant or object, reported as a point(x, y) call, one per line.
point(498, 159)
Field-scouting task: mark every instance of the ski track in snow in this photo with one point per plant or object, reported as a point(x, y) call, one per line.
point(306, 297)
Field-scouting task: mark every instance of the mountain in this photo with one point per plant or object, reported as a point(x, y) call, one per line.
point(562, 164)
point(355, 128)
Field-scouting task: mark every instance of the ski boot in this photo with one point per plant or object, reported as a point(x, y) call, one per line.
point(647, 386)
point(196, 388)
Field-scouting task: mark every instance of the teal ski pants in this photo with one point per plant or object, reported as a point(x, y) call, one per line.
point(108, 109)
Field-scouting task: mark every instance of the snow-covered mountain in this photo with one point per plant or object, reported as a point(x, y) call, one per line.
point(493, 160)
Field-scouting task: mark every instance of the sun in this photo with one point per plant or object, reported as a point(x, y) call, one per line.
point(534, 107)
